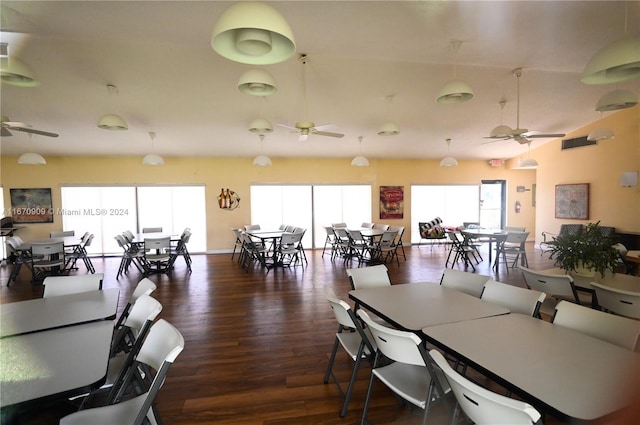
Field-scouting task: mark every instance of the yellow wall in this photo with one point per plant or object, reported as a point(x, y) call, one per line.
point(599, 165)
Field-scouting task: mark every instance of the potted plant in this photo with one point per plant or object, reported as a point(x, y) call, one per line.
point(585, 252)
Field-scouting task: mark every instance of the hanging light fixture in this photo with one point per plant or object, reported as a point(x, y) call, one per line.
point(112, 121)
point(152, 158)
point(455, 91)
point(502, 131)
point(360, 161)
point(617, 99)
point(253, 33)
point(528, 162)
point(15, 72)
point(260, 126)
point(618, 61)
point(262, 160)
point(389, 128)
point(31, 158)
point(448, 161)
point(257, 82)
point(601, 133)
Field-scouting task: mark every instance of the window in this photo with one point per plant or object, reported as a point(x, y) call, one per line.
point(310, 207)
point(107, 211)
point(455, 204)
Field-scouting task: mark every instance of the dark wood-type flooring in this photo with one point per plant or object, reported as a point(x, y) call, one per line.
point(257, 343)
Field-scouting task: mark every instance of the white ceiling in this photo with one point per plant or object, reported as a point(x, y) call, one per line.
point(171, 81)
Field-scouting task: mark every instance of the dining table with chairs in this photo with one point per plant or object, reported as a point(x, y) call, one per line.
point(560, 371)
point(54, 347)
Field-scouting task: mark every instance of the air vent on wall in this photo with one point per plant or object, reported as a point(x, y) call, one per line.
point(577, 142)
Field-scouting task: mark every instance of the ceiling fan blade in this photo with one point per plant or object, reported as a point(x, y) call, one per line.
point(326, 133)
point(4, 132)
point(32, 131)
point(497, 139)
point(540, 135)
point(290, 127)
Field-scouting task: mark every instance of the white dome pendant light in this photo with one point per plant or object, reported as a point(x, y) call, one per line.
point(360, 161)
point(529, 163)
point(112, 121)
point(616, 62)
point(448, 161)
point(616, 100)
point(253, 33)
point(257, 82)
point(152, 158)
point(502, 131)
point(262, 160)
point(31, 158)
point(389, 128)
point(455, 91)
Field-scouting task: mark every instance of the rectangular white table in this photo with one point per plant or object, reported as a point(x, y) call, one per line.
point(412, 306)
point(556, 369)
point(57, 363)
point(54, 312)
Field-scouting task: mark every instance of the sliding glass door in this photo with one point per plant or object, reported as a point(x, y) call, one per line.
point(107, 211)
point(455, 204)
point(311, 207)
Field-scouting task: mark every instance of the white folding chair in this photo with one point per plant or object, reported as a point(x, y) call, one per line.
point(517, 300)
point(556, 286)
point(385, 249)
point(356, 342)
point(130, 255)
point(401, 364)
point(482, 406)
point(608, 327)
point(161, 347)
point(618, 301)
point(157, 255)
point(369, 277)
point(128, 340)
point(152, 230)
point(467, 282)
point(144, 286)
point(47, 259)
point(329, 240)
point(512, 249)
point(64, 285)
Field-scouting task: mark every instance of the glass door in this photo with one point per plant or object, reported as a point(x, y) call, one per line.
point(492, 204)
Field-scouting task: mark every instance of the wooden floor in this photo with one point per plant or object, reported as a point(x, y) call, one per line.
point(257, 343)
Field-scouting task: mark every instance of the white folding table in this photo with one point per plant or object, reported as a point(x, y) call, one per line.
point(558, 370)
point(53, 312)
point(57, 363)
point(412, 306)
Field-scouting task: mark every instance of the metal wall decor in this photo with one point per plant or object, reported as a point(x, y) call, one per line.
point(228, 199)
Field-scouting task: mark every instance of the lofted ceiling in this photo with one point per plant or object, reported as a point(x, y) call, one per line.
point(172, 83)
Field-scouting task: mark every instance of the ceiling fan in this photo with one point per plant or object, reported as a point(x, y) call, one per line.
point(7, 125)
point(305, 127)
point(521, 135)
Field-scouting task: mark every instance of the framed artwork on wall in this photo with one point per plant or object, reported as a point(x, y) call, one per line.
point(31, 205)
point(391, 202)
point(572, 201)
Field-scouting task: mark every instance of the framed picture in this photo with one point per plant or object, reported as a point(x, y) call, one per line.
point(31, 205)
point(391, 202)
point(572, 201)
